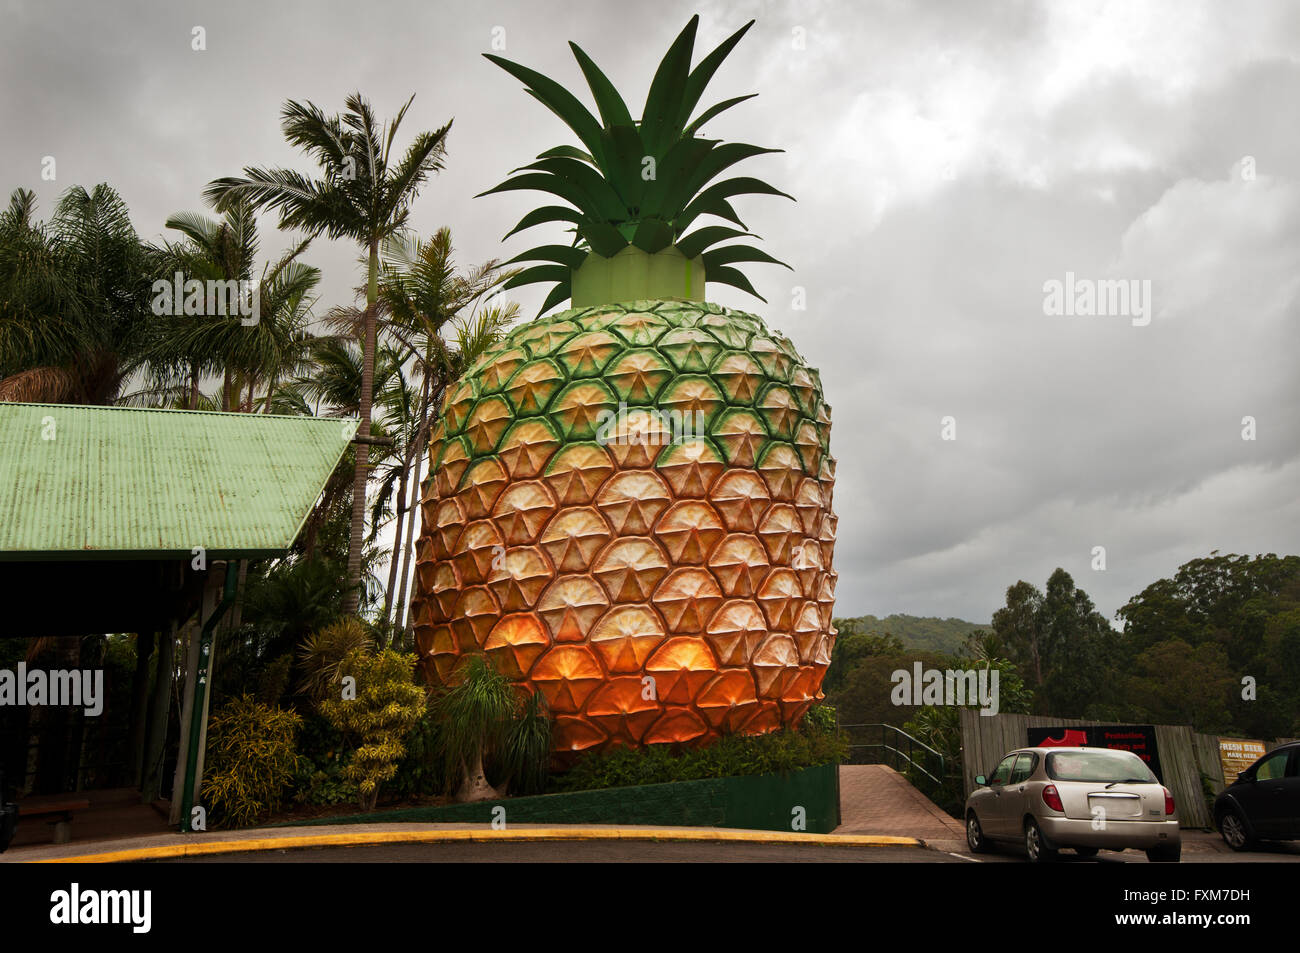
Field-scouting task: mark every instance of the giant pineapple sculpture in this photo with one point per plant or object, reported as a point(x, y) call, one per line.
point(629, 502)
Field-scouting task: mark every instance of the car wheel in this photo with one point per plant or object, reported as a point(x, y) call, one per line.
point(975, 838)
point(1165, 854)
point(1086, 851)
point(1232, 826)
point(1036, 845)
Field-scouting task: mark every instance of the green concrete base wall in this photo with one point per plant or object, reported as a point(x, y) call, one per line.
point(759, 802)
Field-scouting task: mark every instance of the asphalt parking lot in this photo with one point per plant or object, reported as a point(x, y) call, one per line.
point(1199, 847)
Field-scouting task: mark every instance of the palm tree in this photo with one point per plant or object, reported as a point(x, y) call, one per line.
point(474, 334)
point(74, 298)
point(281, 343)
point(401, 403)
point(484, 718)
point(364, 194)
point(244, 355)
point(421, 294)
point(221, 251)
point(330, 386)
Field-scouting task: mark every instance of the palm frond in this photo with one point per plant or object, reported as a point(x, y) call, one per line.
point(609, 201)
point(40, 385)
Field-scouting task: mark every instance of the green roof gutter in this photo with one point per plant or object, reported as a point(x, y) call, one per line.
point(198, 712)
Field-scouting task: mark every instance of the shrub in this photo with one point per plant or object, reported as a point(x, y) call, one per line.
point(939, 727)
point(526, 755)
point(250, 760)
point(817, 742)
point(1208, 793)
point(323, 757)
point(274, 680)
point(386, 705)
point(821, 718)
point(325, 788)
point(420, 772)
point(324, 651)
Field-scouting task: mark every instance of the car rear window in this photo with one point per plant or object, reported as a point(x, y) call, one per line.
point(1106, 766)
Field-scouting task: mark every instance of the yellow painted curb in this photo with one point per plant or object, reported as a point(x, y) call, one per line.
point(524, 835)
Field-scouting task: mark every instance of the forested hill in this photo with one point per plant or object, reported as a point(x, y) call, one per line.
point(918, 633)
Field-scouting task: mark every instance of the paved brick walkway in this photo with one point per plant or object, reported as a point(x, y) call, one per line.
point(875, 799)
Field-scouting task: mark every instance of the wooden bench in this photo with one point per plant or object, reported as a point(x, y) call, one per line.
point(57, 809)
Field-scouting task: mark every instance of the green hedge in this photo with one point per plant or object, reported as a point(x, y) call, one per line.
point(750, 782)
point(757, 802)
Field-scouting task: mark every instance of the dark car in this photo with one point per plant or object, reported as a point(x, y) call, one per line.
point(1264, 802)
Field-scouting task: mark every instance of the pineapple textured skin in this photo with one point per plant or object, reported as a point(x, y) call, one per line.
point(629, 510)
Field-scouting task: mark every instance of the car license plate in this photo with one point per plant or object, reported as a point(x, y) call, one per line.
point(1116, 805)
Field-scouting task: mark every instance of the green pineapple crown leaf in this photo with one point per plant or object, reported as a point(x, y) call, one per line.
point(638, 183)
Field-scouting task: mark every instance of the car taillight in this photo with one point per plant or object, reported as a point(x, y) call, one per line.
point(1052, 799)
point(1169, 801)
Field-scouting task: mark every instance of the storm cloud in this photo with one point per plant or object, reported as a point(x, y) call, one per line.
point(949, 160)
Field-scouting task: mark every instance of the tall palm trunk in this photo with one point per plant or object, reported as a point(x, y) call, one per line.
point(413, 451)
point(432, 399)
point(194, 387)
point(395, 557)
point(400, 615)
point(360, 474)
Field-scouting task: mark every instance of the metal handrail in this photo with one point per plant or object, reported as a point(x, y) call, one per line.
point(897, 751)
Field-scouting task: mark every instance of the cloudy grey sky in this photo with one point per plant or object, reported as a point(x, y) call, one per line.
point(948, 159)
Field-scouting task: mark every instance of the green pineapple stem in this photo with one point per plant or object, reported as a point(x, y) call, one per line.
point(636, 275)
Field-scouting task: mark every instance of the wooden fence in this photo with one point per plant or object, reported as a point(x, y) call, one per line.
point(1184, 755)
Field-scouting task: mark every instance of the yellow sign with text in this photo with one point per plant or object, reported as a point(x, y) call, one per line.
point(1237, 754)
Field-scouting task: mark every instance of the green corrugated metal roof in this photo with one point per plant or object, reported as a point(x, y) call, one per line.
point(119, 481)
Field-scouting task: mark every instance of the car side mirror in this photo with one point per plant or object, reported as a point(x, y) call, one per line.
point(981, 780)
point(1249, 778)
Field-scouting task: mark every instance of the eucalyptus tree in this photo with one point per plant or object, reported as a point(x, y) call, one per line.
point(364, 193)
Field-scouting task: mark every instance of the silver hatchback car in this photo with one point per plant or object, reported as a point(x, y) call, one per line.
point(1086, 799)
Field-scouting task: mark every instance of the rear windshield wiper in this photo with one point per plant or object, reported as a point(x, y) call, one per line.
point(1128, 781)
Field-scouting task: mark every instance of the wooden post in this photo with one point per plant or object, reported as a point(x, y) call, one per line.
point(203, 725)
point(199, 695)
point(211, 593)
